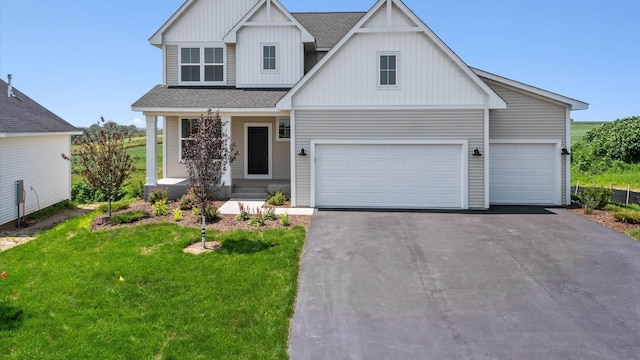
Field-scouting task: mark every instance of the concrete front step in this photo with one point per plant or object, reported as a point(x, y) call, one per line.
point(249, 195)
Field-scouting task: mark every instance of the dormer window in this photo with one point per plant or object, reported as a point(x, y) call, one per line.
point(388, 70)
point(204, 65)
point(269, 57)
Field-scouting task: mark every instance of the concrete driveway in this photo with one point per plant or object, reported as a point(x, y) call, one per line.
point(534, 284)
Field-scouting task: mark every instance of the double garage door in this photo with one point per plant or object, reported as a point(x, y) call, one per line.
point(412, 176)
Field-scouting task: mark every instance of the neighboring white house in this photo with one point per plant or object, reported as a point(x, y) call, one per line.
point(32, 140)
point(354, 110)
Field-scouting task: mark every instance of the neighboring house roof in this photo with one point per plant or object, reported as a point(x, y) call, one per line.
point(164, 97)
point(328, 28)
point(19, 114)
point(573, 103)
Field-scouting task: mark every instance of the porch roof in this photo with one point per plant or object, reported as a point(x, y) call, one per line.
point(176, 97)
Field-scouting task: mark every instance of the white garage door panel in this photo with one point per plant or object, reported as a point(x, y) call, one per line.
point(523, 174)
point(392, 176)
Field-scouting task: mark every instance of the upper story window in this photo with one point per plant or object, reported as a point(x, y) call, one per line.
point(202, 65)
point(269, 57)
point(388, 70)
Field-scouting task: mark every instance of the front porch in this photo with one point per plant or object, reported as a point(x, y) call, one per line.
point(239, 189)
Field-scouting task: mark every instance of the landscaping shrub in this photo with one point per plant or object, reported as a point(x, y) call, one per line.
point(160, 208)
point(136, 189)
point(158, 194)
point(114, 206)
point(256, 221)
point(284, 219)
point(187, 201)
point(211, 214)
point(177, 214)
point(269, 213)
point(129, 217)
point(276, 199)
point(628, 216)
point(596, 197)
point(243, 215)
point(82, 193)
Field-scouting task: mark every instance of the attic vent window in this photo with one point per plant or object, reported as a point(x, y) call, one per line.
point(388, 70)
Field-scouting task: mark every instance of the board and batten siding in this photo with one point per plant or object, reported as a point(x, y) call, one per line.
point(426, 76)
point(281, 149)
point(37, 161)
point(206, 21)
point(171, 65)
point(385, 125)
point(528, 117)
point(289, 56)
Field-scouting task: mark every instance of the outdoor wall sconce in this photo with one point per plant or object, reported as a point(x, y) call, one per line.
point(302, 152)
point(476, 152)
point(565, 152)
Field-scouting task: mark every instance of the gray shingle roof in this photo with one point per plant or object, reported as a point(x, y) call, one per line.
point(20, 114)
point(328, 28)
point(163, 96)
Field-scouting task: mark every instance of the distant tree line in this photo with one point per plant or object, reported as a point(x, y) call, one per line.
point(131, 130)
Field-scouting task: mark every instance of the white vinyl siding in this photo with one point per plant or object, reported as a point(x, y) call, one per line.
point(386, 125)
point(231, 65)
point(171, 134)
point(280, 149)
point(427, 76)
point(529, 116)
point(208, 20)
point(37, 161)
point(171, 64)
point(250, 56)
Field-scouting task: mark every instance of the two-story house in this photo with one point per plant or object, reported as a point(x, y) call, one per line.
point(353, 110)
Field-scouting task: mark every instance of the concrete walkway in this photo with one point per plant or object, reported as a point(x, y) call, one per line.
point(232, 207)
point(505, 284)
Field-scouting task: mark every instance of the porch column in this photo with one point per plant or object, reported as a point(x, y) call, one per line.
point(152, 151)
point(226, 123)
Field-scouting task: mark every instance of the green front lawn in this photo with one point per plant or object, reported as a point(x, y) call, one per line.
point(63, 298)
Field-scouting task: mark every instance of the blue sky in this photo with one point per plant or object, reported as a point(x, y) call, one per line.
point(85, 59)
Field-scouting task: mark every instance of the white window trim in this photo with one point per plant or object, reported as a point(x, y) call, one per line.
point(396, 86)
point(246, 150)
point(278, 138)
point(270, 71)
point(202, 46)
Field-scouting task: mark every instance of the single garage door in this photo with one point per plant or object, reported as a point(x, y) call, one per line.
point(388, 176)
point(524, 174)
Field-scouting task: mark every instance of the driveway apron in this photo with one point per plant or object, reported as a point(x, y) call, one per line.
point(505, 284)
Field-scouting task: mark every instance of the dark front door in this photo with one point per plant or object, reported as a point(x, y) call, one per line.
point(258, 150)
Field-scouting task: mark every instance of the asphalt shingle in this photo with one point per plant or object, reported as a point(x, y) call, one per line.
point(21, 114)
point(328, 28)
point(163, 96)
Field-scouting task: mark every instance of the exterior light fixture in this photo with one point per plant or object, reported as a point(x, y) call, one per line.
point(565, 152)
point(476, 152)
point(302, 152)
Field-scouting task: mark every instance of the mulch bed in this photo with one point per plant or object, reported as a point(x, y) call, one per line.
point(224, 222)
point(605, 218)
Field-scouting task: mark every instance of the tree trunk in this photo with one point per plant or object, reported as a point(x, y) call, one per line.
point(204, 231)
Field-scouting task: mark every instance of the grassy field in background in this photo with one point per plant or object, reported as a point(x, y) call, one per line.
point(62, 298)
point(619, 180)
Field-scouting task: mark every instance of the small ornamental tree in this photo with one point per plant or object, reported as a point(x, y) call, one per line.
point(208, 152)
point(101, 159)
